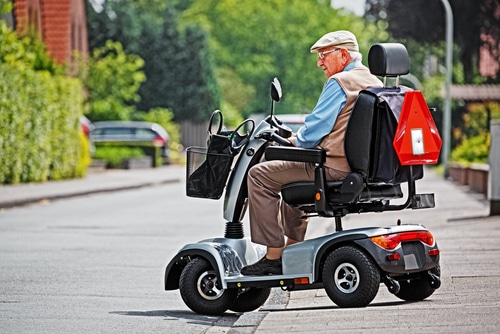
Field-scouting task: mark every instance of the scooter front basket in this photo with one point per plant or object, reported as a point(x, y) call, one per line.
point(206, 172)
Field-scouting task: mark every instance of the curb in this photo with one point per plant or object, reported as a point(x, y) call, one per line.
point(27, 201)
point(248, 322)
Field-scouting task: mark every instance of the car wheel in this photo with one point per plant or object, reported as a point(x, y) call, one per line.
point(417, 289)
point(202, 292)
point(350, 277)
point(250, 299)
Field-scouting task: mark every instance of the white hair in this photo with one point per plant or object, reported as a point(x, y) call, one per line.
point(355, 55)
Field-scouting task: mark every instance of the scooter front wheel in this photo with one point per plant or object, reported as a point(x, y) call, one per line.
point(202, 292)
point(350, 277)
point(250, 299)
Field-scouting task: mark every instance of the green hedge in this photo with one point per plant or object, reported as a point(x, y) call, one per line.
point(114, 156)
point(40, 134)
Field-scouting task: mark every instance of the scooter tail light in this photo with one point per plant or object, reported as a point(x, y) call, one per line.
point(434, 252)
point(393, 257)
point(391, 241)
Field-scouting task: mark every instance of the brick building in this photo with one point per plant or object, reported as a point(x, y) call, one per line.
point(61, 24)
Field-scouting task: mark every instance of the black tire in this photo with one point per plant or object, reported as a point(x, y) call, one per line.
point(417, 289)
point(350, 277)
point(202, 292)
point(250, 299)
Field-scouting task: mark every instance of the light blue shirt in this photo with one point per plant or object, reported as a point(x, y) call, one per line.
point(321, 120)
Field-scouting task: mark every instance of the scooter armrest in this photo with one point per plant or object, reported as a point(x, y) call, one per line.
point(311, 155)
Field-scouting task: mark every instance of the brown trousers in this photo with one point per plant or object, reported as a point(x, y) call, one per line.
point(271, 219)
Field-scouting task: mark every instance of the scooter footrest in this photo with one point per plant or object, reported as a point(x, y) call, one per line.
point(422, 201)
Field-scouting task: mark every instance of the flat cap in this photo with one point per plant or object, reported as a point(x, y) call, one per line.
point(342, 39)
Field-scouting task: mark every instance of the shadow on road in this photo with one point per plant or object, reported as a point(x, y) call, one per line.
point(190, 317)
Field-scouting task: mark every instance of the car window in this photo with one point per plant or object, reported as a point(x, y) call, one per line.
point(112, 133)
point(117, 131)
point(144, 134)
point(127, 133)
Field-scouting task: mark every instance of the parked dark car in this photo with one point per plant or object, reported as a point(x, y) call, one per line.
point(86, 125)
point(131, 133)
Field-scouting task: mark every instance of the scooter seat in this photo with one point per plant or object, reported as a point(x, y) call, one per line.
point(302, 193)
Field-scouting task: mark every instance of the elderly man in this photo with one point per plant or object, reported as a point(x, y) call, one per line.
point(273, 223)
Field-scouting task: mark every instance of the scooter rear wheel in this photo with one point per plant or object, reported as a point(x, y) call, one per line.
point(417, 289)
point(350, 277)
point(202, 292)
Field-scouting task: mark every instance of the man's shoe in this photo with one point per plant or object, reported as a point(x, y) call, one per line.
point(263, 267)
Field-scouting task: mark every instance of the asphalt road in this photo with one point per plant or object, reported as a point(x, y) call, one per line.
point(95, 264)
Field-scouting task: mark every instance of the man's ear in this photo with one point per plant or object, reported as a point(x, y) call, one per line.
point(346, 57)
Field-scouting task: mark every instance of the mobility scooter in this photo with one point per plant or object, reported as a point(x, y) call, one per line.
point(390, 136)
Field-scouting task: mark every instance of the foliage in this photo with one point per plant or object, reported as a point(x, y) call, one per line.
point(191, 92)
point(251, 42)
point(113, 80)
point(178, 64)
point(473, 137)
point(85, 155)
point(39, 114)
point(474, 149)
point(115, 155)
point(256, 41)
point(473, 20)
point(425, 43)
point(117, 76)
point(25, 52)
point(5, 6)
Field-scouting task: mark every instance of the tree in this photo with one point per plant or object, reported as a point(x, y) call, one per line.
point(200, 94)
point(112, 83)
point(244, 43)
point(179, 72)
point(256, 41)
point(424, 22)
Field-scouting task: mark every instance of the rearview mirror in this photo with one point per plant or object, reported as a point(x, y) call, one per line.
point(276, 92)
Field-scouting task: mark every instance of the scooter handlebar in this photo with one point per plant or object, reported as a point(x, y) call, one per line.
point(272, 135)
point(280, 140)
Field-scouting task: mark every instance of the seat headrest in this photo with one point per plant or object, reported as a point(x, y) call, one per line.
point(388, 59)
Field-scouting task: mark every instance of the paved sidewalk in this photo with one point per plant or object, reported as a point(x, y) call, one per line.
point(94, 182)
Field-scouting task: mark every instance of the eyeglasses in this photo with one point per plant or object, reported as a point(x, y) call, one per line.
point(321, 55)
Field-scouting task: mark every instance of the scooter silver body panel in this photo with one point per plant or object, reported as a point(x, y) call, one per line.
point(235, 189)
point(300, 260)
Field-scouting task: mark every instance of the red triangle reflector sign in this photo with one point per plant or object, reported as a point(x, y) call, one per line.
point(417, 139)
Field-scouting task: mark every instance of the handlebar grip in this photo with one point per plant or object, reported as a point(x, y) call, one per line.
point(280, 140)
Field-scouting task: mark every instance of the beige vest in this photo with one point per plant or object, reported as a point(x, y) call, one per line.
point(351, 82)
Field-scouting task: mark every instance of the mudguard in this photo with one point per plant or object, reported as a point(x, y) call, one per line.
point(225, 255)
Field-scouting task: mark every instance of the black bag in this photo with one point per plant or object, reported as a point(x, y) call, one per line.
point(208, 168)
point(386, 166)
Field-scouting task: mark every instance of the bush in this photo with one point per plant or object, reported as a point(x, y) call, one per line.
point(115, 155)
point(39, 123)
point(474, 149)
point(39, 114)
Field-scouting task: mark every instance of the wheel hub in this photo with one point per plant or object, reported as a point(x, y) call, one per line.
point(346, 278)
point(207, 286)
